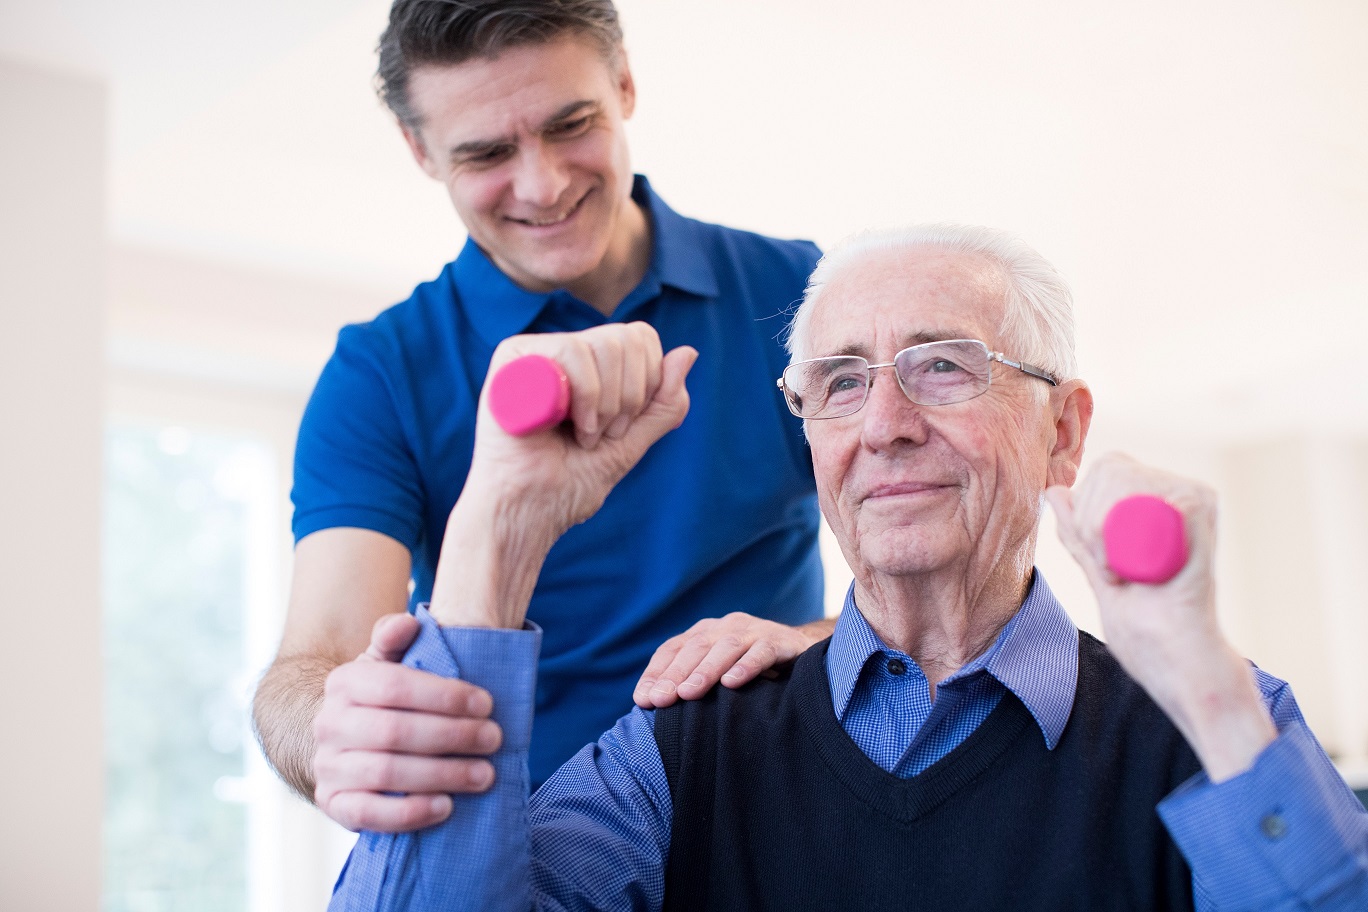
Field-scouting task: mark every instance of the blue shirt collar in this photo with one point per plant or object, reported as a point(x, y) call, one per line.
point(499, 308)
point(1035, 657)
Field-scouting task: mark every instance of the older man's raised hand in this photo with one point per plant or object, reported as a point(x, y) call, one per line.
point(523, 493)
point(1167, 635)
point(393, 742)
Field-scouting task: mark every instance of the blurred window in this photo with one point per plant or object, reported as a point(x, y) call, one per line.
point(179, 513)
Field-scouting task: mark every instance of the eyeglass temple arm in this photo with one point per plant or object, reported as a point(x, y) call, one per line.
point(1026, 368)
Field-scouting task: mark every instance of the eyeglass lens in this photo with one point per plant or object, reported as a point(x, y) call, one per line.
point(938, 373)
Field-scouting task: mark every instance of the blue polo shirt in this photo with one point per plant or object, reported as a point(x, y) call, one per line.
point(719, 516)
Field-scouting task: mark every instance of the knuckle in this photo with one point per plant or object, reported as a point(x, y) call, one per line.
point(731, 642)
point(700, 640)
point(324, 727)
point(701, 626)
point(392, 689)
point(335, 684)
point(413, 815)
point(324, 769)
point(380, 772)
point(390, 730)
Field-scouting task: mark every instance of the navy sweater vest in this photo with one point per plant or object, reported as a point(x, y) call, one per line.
point(776, 808)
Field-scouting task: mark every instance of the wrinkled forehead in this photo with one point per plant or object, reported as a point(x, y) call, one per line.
point(886, 300)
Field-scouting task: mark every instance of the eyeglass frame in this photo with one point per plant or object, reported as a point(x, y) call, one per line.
point(993, 356)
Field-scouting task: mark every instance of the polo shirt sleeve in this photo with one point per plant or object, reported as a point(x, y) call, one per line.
point(1285, 834)
point(353, 464)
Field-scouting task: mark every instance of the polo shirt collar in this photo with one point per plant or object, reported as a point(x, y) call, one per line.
point(499, 308)
point(677, 253)
point(1035, 657)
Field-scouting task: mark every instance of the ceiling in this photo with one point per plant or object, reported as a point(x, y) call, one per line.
point(1198, 171)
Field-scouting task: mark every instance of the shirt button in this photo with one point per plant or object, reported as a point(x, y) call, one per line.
point(1273, 826)
point(897, 666)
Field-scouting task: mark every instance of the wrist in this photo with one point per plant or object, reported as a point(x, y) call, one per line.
point(492, 554)
point(1224, 720)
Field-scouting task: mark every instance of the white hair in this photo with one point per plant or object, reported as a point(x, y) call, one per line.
point(1037, 325)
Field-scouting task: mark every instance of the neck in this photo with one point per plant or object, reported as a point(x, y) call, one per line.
point(624, 263)
point(940, 620)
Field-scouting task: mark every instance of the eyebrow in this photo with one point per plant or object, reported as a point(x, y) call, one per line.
point(478, 147)
point(918, 338)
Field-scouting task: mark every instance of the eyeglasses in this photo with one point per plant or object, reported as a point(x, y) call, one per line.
point(937, 373)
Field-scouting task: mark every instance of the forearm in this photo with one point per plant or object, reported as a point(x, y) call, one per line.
point(492, 554)
point(1219, 710)
point(283, 710)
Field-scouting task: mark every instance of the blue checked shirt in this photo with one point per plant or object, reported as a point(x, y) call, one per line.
point(1286, 834)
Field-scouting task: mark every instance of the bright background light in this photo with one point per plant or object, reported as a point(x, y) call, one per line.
point(1198, 171)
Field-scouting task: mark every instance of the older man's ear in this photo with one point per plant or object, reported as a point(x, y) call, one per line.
point(1072, 407)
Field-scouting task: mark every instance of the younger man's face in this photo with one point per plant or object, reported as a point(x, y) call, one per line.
point(533, 152)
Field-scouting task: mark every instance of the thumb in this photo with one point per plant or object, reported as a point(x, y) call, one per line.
point(391, 637)
point(1060, 499)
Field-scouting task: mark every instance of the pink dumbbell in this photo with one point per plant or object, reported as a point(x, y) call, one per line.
point(1145, 538)
point(529, 394)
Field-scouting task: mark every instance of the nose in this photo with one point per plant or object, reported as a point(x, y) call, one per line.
point(889, 417)
point(541, 178)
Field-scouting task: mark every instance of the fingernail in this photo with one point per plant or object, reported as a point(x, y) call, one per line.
point(619, 427)
point(489, 736)
point(731, 676)
point(441, 805)
point(481, 775)
point(695, 680)
point(479, 704)
point(664, 687)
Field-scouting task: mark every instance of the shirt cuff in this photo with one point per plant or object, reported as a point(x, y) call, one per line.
point(503, 662)
point(1286, 829)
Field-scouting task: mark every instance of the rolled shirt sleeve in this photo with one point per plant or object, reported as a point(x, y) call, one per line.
point(480, 858)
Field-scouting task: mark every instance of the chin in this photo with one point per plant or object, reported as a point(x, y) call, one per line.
point(904, 551)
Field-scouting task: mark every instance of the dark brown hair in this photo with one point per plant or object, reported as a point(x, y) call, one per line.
point(449, 32)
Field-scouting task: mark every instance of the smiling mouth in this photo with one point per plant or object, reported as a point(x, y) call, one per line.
point(555, 220)
point(907, 488)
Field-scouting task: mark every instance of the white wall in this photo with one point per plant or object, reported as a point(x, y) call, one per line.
point(52, 250)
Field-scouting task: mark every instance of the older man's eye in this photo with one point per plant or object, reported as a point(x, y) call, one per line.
point(846, 384)
point(942, 366)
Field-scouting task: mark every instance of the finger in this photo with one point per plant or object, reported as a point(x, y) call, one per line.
point(391, 637)
point(720, 660)
point(695, 651)
point(762, 656)
point(608, 344)
point(399, 687)
point(1061, 501)
point(636, 373)
point(379, 771)
point(667, 408)
point(386, 813)
point(654, 357)
point(659, 662)
point(368, 728)
point(581, 368)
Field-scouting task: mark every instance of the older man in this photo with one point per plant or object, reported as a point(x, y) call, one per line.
point(957, 743)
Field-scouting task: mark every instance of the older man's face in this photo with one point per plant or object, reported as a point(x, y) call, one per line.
point(912, 489)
